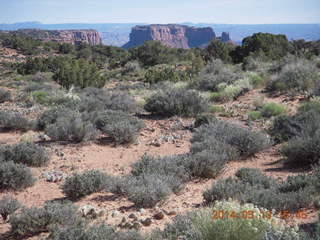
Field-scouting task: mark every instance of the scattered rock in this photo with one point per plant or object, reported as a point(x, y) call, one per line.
point(142, 211)
point(54, 176)
point(159, 215)
point(136, 225)
point(115, 213)
point(44, 137)
point(146, 222)
point(124, 220)
point(133, 216)
point(89, 211)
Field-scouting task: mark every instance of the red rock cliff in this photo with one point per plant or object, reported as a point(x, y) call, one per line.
point(76, 37)
point(172, 35)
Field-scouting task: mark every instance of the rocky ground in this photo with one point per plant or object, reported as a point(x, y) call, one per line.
point(159, 138)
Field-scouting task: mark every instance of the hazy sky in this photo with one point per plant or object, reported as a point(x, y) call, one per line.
point(161, 11)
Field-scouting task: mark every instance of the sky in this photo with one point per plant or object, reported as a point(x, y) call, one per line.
point(161, 11)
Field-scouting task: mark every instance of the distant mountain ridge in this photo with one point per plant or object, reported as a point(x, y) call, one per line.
point(117, 34)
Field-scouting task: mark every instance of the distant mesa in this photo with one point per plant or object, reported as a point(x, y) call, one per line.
point(173, 35)
point(91, 37)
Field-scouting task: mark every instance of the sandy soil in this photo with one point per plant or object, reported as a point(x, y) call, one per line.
point(103, 155)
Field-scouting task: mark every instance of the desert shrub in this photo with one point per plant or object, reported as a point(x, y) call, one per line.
point(216, 109)
point(254, 115)
point(251, 186)
point(244, 140)
point(199, 225)
point(313, 105)
point(4, 95)
point(93, 99)
point(204, 118)
point(164, 72)
point(15, 121)
point(256, 80)
point(255, 177)
point(147, 190)
point(122, 132)
point(207, 164)
point(179, 102)
point(303, 150)
point(99, 232)
point(71, 128)
point(231, 92)
point(120, 126)
point(298, 76)
point(170, 165)
point(36, 220)
point(50, 116)
point(225, 189)
point(81, 184)
point(214, 74)
point(15, 176)
point(287, 127)
point(26, 153)
point(8, 205)
point(272, 109)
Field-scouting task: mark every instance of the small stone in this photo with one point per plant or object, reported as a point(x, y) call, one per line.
point(142, 211)
point(128, 225)
point(123, 220)
point(146, 222)
point(89, 211)
point(115, 213)
point(133, 216)
point(172, 213)
point(136, 225)
point(159, 215)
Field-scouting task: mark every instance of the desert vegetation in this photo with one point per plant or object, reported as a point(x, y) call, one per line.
point(98, 142)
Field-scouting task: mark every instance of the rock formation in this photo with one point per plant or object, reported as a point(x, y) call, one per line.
point(76, 37)
point(225, 37)
point(172, 35)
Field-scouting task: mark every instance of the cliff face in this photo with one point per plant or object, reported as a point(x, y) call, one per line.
point(172, 35)
point(76, 37)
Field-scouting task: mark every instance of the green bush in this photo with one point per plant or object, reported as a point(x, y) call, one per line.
point(71, 128)
point(161, 73)
point(50, 116)
point(299, 76)
point(15, 121)
point(8, 205)
point(251, 186)
point(178, 102)
point(214, 74)
point(303, 150)
point(245, 141)
point(313, 105)
point(207, 164)
point(80, 185)
point(287, 127)
point(15, 176)
point(36, 220)
point(120, 126)
point(255, 177)
point(99, 232)
point(256, 80)
point(26, 153)
point(147, 190)
point(199, 225)
point(4, 95)
point(204, 118)
point(174, 165)
point(254, 115)
point(272, 109)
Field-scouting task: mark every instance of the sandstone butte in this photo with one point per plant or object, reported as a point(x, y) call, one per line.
point(75, 37)
point(173, 35)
